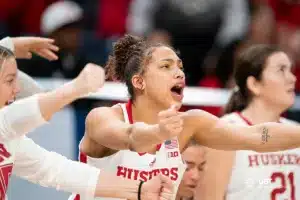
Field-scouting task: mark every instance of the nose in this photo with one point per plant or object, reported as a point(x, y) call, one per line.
point(17, 88)
point(179, 74)
point(291, 77)
point(195, 175)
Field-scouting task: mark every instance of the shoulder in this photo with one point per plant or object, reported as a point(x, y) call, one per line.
point(199, 119)
point(101, 113)
point(232, 118)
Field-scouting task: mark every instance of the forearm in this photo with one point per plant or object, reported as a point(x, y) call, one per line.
point(50, 169)
point(110, 185)
point(52, 101)
point(270, 137)
point(143, 137)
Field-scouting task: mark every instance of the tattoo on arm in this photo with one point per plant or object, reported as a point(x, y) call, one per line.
point(265, 136)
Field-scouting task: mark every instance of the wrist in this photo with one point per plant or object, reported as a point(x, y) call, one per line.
point(77, 89)
point(143, 137)
point(155, 130)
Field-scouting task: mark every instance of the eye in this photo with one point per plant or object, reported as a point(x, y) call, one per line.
point(167, 66)
point(10, 81)
point(200, 168)
point(282, 68)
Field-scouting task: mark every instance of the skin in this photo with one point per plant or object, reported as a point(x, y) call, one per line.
point(194, 156)
point(9, 87)
point(153, 90)
point(277, 78)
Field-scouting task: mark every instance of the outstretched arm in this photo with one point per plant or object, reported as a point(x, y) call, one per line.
point(219, 134)
point(105, 127)
point(50, 169)
point(29, 113)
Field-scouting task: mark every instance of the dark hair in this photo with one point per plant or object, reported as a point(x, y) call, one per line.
point(5, 53)
point(130, 54)
point(251, 62)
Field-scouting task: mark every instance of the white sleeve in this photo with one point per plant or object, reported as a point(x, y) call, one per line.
point(28, 86)
point(50, 169)
point(7, 43)
point(20, 118)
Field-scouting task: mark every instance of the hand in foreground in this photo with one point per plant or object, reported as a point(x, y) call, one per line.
point(158, 188)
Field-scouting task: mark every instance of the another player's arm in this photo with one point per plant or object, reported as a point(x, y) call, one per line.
point(215, 175)
point(104, 127)
point(27, 114)
point(219, 134)
point(50, 169)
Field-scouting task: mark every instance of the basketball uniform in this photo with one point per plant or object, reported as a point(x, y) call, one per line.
point(140, 166)
point(264, 176)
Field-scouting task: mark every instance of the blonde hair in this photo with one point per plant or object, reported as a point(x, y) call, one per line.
point(5, 53)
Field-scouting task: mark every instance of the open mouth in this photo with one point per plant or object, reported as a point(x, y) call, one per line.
point(177, 89)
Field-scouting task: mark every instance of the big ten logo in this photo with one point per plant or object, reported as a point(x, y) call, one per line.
point(173, 154)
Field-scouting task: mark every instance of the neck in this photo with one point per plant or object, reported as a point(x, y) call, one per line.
point(145, 110)
point(259, 112)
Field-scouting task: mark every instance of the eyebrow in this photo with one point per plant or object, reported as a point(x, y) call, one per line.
point(11, 75)
point(190, 162)
point(172, 60)
point(203, 163)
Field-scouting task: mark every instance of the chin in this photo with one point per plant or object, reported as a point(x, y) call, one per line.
point(286, 105)
point(177, 103)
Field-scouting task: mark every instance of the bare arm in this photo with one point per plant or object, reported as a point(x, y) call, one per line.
point(106, 128)
point(266, 137)
point(50, 169)
point(215, 175)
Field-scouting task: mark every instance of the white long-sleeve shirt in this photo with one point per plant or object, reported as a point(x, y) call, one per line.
point(30, 161)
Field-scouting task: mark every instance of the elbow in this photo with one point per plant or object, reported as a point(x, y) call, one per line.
point(132, 142)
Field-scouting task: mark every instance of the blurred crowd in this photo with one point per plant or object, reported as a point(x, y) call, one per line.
point(208, 34)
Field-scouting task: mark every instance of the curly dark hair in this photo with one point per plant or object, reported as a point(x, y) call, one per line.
point(130, 54)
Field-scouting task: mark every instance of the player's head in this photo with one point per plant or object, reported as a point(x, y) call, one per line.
point(8, 77)
point(153, 71)
point(263, 73)
point(194, 156)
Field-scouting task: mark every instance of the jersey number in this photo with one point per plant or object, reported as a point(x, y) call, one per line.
point(283, 178)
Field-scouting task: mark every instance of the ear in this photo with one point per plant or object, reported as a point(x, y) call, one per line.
point(138, 82)
point(254, 85)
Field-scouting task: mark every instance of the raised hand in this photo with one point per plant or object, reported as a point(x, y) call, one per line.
point(90, 79)
point(170, 123)
point(44, 47)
